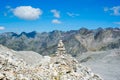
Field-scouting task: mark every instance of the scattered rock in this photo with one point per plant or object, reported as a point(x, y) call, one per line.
point(62, 66)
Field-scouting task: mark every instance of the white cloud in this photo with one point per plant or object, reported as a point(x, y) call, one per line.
point(72, 14)
point(27, 12)
point(56, 13)
point(115, 10)
point(56, 21)
point(117, 23)
point(106, 9)
point(2, 27)
point(9, 10)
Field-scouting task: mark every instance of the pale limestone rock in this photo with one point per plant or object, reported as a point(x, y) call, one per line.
point(59, 67)
point(60, 48)
point(1, 76)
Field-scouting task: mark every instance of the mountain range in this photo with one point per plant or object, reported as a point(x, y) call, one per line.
point(98, 49)
point(76, 41)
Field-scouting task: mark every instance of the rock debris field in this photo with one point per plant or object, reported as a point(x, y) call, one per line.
point(61, 66)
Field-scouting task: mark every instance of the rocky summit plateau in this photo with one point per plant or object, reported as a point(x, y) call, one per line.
point(16, 65)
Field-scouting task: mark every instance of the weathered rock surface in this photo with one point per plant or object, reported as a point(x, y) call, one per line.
point(57, 67)
point(76, 41)
point(105, 63)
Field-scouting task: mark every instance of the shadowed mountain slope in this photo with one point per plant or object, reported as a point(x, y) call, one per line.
point(76, 41)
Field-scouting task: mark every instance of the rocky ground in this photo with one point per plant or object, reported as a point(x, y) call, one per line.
point(105, 63)
point(61, 66)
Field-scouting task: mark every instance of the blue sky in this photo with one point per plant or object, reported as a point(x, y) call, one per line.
point(48, 15)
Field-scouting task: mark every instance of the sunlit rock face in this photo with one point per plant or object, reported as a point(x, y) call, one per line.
point(76, 41)
point(60, 66)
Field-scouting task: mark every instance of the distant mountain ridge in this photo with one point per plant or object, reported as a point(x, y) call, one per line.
point(76, 41)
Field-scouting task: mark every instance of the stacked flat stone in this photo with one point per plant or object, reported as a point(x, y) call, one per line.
point(61, 48)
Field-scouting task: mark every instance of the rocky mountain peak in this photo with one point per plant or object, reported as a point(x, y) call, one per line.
point(58, 67)
point(76, 41)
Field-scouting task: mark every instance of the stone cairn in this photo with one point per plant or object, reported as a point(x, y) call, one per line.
point(60, 48)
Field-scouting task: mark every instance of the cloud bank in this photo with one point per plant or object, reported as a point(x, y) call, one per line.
point(27, 12)
point(113, 11)
point(2, 27)
point(117, 23)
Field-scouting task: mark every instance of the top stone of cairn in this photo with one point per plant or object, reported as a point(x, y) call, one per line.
point(60, 47)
